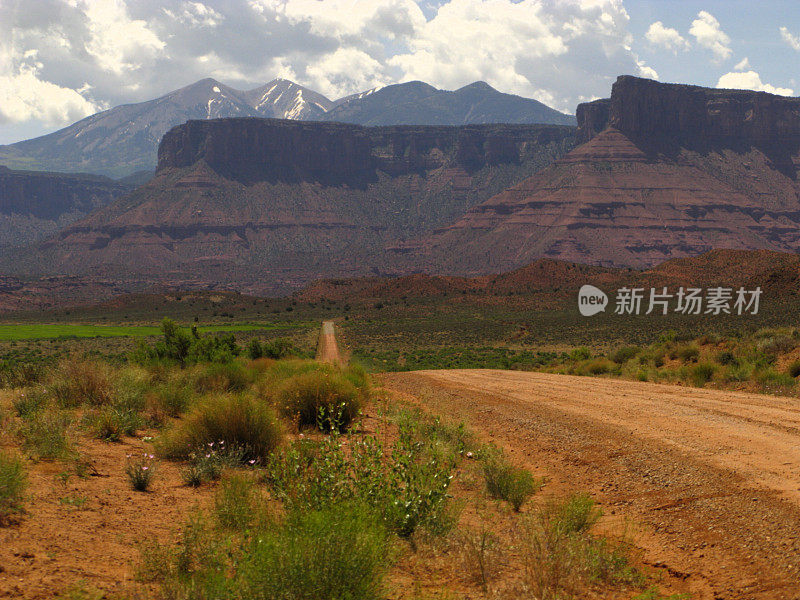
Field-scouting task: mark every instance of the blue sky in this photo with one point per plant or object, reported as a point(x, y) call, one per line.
point(61, 60)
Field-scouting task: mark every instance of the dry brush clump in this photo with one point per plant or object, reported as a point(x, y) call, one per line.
point(240, 421)
point(13, 483)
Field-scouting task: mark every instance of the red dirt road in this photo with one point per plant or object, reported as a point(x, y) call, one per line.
point(327, 348)
point(709, 479)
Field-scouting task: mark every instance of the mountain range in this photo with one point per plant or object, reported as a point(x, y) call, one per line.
point(124, 140)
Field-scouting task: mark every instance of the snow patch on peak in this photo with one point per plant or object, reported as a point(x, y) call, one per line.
point(215, 89)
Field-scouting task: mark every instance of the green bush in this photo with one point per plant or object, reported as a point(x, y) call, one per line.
point(110, 423)
point(80, 382)
point(579, 354)
point(45, 435)
point(29, 402)
point(12, 485)
point(774, 379)
point(688, 353)
point(140, 471)
point(595, 366)
point(329, 554)
point(726, 358)
point(794, 369)
point(171, 397)
point(237, 421)
point(506, 482)
point(323, 398)
point(223, 377)
point(235, 502)
point(702, 373)
point(624, 354)
point(406, 485)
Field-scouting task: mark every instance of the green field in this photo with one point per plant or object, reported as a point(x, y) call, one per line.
point(44, 331)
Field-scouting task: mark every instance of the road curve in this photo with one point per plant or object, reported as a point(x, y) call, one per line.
point(712, 477)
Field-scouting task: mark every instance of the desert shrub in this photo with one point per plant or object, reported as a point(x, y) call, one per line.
point(223, 377)
point(15, 374)
point(726, 357)
point(238, 421)
point(181, 346)
point(277, 349)
point(322, 398)
point(235, 502)
point(794, 369)
point(624, 354)
point(335, 553)
point(561, 557)
point(140, 471)
point(131, 386)
point(506, 482)
point(207, 463)
point(45, 435)
point(29, 402)
point(774, 379)
point(406, 484)
point(12, 485)
point(171, 397)
point(111, 423)
point(79, 382)
point(742, 371)
point(702, 373)
point(595, 366)
point(688, 353)
point(775, 346)
point(579, 354)
point(327, 554)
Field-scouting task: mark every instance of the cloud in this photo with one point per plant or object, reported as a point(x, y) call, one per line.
point(708, 33)
point(666, 37)
point(742, 65)
point(555, 52)
point(132, 50)
point(750, 80)
point(792, 40)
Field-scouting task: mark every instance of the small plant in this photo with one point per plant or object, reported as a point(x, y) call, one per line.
point(29, 402)
point(110, 424)
point(45, 435)
point(207, 462)
point(726, 358)
point(506, 482)
point(688, 353)
point(140, 471)
point(624, 354)
point(234, 502)
point(79, 382)
point(702, 373)
point(480, 556)
point(12, 485)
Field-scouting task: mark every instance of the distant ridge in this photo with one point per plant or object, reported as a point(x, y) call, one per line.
point(123, 140)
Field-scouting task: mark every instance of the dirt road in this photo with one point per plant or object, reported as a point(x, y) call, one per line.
point(709, 479)
point(327, 348)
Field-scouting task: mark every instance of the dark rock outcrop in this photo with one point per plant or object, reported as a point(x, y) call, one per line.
point(268, 205)
point(35, 204)
point(250, 150)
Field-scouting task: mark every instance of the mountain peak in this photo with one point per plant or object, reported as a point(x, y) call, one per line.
point(480, 86)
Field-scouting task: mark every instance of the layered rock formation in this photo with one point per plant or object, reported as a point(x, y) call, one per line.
point(666, 171)
point(267, 205)
point(34, 204)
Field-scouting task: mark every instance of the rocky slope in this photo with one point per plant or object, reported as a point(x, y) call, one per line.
point(34, 205)
point(124, 139)
point(267, 205)
point(666, 171)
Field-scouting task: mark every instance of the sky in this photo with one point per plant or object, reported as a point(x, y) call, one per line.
point(62, 60)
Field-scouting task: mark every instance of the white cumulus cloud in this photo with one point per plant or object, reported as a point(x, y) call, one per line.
point(666, 37)
point(742, 65)
point(792, 40)
point(708, 33)
point(750, 80)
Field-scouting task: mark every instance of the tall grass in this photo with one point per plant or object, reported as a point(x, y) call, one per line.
point(78, 382)
point(13, 483)
point(506, 482)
